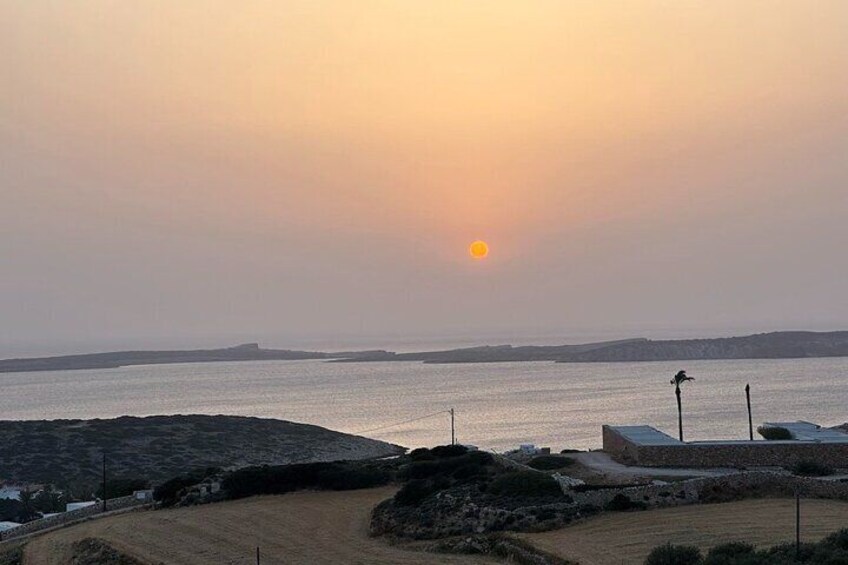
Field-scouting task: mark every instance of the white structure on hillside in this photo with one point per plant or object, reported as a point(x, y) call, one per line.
point(77, 505)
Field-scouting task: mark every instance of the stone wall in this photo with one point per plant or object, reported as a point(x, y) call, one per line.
point(724, 454)
point(718, 489)
point(64, 518)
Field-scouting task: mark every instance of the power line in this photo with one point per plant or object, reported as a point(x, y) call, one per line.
point(403, 422)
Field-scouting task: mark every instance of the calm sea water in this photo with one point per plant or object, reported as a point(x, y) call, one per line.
point(497, 406)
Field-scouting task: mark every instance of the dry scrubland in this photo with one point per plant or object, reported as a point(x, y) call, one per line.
point(314, 528)
point(627, 537)
point(309, 528)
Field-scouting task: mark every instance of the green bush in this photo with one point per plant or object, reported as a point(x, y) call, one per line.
point(279, 479)
point(674, 555)
point(774, 432)
point(445, 451)
point(168, 492)
point(811, 469)
point(424, 468)
point(621, 503)
point(116, 488)
point(731, 553)
point(415, 491)
point(524, 483)
point(550, 462)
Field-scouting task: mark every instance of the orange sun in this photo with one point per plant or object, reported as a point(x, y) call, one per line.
point(478, 249)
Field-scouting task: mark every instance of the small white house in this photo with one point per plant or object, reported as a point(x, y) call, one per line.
point(146, 495)
point(11, 492)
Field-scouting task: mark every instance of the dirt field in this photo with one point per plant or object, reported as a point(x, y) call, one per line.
point(627, 537)
point(311, 528)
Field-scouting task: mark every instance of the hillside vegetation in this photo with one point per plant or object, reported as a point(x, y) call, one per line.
point(69, 453)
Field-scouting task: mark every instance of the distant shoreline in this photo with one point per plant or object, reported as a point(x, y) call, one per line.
point(774, 345)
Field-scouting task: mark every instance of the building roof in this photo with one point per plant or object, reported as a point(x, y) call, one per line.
point(807, 431)
point(645, 435)
point(801, 432)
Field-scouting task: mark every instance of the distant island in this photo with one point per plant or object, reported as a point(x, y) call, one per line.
point(774, 345)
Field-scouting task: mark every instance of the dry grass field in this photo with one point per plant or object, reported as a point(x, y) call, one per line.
point(627, 537)
point(310, 528)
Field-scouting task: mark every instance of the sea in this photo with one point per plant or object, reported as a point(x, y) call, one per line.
point(497, 406)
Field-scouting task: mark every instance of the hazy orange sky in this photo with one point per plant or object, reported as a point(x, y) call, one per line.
point(305, 172)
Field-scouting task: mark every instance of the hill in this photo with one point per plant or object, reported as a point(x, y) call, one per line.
point(69, 453)
point(775, 345)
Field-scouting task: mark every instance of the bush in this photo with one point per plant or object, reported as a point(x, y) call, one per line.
point(424, 468)
point(550, 462)
point(731, 553)
point(445, 451)
point(811, 469)
point(621, 502)
point(525, 483)
point(421, 454)
point(774, 432)
point(279, 479)
point(416, 490)
point(168, 492)
point(674, 555)
point(837, 539)
point(121, 487)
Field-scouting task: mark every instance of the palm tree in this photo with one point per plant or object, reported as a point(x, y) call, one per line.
point(679, 378)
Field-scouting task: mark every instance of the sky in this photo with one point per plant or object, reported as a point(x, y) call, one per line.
point(312, 172)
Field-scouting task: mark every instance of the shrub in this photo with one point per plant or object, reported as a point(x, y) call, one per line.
point(811, 469)
point(674, 555)
point(550, 462)
point(421, 454)
point(279, 479)
point(732, 553)
point(116, 488)
point(524, 483)
point(423, 468)
point(774, 432)
point(445, 451)
point(837, 539)
point(416, 490)
point(621, 502)
point(167, 493)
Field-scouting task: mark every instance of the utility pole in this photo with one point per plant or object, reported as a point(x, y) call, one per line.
point(104, 481)
point(750, 421)
point(453, 428)
point(257, 555)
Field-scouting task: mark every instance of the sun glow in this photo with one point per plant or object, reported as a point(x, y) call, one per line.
point(479, 249)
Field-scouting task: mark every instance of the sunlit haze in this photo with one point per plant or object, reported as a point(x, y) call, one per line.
point(313, 173)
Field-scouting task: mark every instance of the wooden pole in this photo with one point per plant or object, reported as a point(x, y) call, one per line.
point(679, 411)
point(104, 481)
point(750, 420)
point(257, 555)
point(453, 428)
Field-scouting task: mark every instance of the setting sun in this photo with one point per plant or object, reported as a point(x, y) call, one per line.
point(479, 249)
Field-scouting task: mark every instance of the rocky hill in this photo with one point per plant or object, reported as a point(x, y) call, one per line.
point(69, 452)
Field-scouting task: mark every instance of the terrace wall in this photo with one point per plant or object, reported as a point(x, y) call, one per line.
point(65, 518)
point(730, 454)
